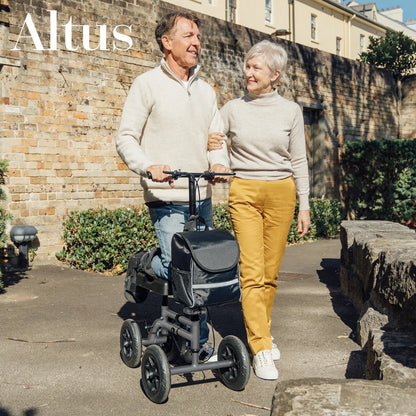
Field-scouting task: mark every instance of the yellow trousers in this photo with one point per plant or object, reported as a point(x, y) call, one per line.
point(261, 213)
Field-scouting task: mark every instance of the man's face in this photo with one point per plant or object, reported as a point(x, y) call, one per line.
point(183, 42)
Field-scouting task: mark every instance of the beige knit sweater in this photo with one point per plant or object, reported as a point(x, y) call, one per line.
point(165, 123)
point(268, 140)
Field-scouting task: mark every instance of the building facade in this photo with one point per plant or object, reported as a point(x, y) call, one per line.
point(327, 25)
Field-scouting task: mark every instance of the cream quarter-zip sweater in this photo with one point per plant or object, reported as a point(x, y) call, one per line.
point(268, 140)
point(165, 123)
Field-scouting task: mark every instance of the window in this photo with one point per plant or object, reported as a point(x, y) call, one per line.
point(232, 7)
point(338, 46)
point(362, 43)
point(313, 26)
point(268, 11)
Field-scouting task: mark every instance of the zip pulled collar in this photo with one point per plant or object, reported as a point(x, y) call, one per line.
point(193, 72)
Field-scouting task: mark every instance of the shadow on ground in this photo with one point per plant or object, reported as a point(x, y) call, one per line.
point(10, 276)
point(28, 412)
point(329, 275)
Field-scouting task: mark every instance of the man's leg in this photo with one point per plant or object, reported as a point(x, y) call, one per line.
point(167, 221)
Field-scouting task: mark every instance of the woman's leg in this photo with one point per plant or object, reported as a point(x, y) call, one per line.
point(247, 221)
point(278, 211)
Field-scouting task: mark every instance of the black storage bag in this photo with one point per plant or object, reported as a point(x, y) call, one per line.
point(205, 268)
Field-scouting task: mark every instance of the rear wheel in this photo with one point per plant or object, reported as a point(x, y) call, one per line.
point(130, 343)
point(235, 377)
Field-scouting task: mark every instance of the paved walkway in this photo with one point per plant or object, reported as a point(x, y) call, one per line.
point(59, 342)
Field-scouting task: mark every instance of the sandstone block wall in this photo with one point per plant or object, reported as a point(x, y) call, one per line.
point(60, 108)
point(378, 274)
point(408, 107)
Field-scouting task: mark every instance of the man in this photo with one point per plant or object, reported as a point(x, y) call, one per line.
point(165, 123)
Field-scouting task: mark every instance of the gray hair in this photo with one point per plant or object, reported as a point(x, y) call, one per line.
point(274, 55)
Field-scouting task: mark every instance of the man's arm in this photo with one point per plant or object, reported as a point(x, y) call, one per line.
point(133, 119)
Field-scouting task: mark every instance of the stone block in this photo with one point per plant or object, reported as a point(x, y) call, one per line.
point(351, 287)
point(369, 320)
point(391, 355)
point(318, 397)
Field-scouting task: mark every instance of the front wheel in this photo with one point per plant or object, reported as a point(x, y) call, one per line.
point(155, 374)
point(235, 377)
point(130, 343)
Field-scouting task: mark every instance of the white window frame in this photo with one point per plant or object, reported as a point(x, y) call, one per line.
point(338, 45)
point(232, 11)
point(268, 8)
point(362, 43)
point(314, 27)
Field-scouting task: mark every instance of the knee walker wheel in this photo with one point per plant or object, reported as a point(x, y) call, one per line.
point(235, 377)
point(130, 343)
point(155, 374)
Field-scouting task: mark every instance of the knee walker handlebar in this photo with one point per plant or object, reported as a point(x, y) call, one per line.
point(193, 177)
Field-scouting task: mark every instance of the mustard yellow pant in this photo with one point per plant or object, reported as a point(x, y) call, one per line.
point(261, 213)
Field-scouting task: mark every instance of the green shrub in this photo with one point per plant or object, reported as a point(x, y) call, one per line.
point(103, 240)
point(379, 180)
point(4, 215)
point(325, 220)
point(222, 217)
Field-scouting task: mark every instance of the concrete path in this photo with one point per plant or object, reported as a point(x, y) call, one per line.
point(59, 342)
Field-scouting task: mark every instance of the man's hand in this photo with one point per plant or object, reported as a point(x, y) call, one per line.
point(158, 176)
point(304, 223)
point(218, 168)
point(215, 141)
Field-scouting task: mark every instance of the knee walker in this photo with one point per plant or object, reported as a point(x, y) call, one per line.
point(204, 273)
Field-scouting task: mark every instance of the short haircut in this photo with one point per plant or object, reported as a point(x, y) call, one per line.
point(167, 23)
point(274, 55)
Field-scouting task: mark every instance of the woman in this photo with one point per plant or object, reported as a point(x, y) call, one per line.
point(268, 156)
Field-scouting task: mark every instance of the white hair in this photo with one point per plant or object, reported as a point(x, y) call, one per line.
point(273, 54)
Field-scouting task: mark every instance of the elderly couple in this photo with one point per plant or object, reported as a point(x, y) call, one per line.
point(170, 119)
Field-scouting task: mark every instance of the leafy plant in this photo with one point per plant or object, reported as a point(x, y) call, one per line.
point(325, 220)
point(4, 215)
point(379, 180)
point(103, 240)
point(394, 51)
point(222, 217)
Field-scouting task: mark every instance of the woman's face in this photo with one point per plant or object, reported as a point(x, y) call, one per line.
point(259, 78)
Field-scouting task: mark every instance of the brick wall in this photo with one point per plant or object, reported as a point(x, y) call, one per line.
point(60, 109)
point(408, 108)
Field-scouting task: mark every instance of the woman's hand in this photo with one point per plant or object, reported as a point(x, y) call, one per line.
point(215, 141)
point(304, 223)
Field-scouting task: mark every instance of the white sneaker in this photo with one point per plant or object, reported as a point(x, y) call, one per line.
point(275, 352)
point(264, 367)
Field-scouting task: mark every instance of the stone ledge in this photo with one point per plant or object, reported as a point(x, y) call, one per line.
point(378, 271)
point(391, 355)
point(317, 397)
point(378, 274)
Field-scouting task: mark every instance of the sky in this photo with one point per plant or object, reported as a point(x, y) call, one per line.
point(408, 6)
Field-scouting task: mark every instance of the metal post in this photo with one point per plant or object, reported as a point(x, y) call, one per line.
point(192, 195)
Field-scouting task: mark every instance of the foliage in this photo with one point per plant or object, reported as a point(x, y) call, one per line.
point(325, 220)
point(102, 240)
point(394, 51)
point(379, 179)
point(4, 215)
point(222, 217)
